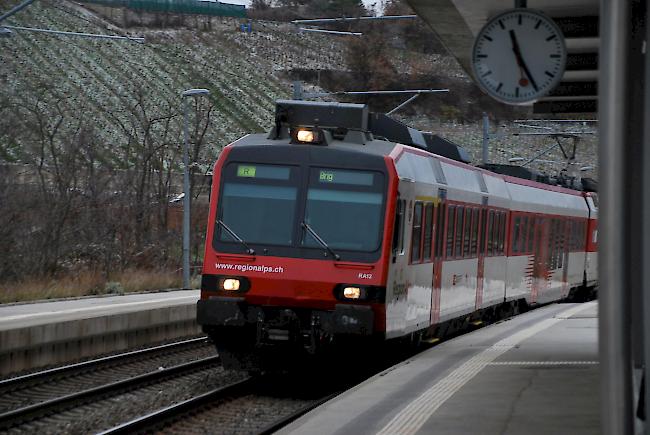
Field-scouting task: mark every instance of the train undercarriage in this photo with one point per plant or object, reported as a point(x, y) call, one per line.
point(262, 338)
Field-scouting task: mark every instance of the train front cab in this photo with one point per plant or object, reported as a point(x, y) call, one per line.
point(296, 251)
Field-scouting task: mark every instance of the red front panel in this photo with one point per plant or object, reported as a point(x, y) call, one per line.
point(296, 282)
point(291, 282)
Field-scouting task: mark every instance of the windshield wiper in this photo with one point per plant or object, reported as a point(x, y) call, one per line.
point(234, 235)
point(306, 226)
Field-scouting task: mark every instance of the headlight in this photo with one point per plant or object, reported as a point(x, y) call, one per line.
point(352, 293)
point(360, 293)
point(233, 284)
point(230, 284)
point(305, 136)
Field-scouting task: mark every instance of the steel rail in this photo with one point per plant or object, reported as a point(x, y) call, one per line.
point(9, 382)
point(165, 414)
point(28, 413)
point(279, 424)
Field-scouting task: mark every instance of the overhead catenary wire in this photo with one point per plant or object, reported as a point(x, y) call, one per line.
point(80, 34)
point(334, 32)
point(352, 19)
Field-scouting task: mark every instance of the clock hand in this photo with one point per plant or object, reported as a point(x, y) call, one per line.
point(523, 81)
point(520, 59)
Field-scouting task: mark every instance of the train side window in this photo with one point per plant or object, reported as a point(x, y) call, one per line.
point(531, 234)
point(502, 233)
point(490, 233)
point(549, 243)
point(458, 247)
point(398, 231)
point(474, 240)
point(483, 232)
point(561, 241)
point(451, 218)
point(574, 235)
point(524, 233)
point(515, 235)
point(552, 244)
point(467, 232)
point(495, 233)
point(440, 228)
point(428, 231)
point(558, 244)
point(416, 238)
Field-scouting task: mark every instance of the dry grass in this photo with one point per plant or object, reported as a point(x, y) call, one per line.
point(89, 283)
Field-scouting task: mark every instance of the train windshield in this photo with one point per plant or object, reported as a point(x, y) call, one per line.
point(259, 203)
point(345, 209)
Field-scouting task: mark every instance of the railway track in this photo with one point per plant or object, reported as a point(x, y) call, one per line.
point(98, 394)
point(226, 409)
point(42, 395)
point(29, 389)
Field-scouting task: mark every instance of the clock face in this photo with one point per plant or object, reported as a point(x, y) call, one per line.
point(519, 56)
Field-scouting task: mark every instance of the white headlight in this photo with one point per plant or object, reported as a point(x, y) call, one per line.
point(305, 136)
point(352, 292)
point(231, 284)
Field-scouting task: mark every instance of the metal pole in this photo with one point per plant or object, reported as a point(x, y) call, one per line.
point(15, 9)
point(486, 139)
point(540, 154)
point(186, 198)
point(297, 90)
point(403, 104)
point(645, 204)
point(404, 91)
point(615, 361)
point(187, 194)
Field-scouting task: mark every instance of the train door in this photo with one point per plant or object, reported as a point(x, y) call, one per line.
point(539, 259)
point(439, 230)
point(480, 272)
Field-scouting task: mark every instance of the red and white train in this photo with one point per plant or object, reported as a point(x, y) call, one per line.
point(324, 232)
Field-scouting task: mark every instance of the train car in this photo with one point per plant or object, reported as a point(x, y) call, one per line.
point(343, 227)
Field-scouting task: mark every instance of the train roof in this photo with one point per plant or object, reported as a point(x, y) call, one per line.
point(341, 118)
point(353, 128)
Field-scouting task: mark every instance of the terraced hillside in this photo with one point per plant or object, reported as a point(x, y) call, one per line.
point(109, 82)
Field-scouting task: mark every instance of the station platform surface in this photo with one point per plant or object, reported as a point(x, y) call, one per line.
point(39, 313)
point(536, 373)
point(38, 334)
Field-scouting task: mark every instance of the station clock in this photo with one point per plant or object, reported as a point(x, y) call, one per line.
point(519, 56)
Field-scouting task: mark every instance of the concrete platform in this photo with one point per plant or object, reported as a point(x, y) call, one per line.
point(38, 334)
point(534, 374)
